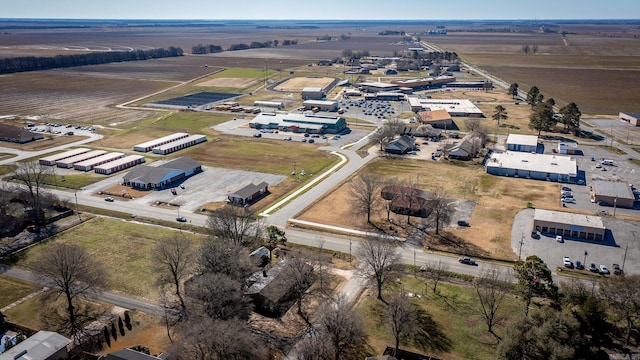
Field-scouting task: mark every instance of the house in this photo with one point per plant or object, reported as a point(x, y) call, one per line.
point(406, 200)
point(261, 255)
point(436, 118)
point(400, 146)
point(16, 134)
point(248, 194)
point(158, 177)
point(523, 143)
point(129, 354)
point(43, 345)
point(466, 148)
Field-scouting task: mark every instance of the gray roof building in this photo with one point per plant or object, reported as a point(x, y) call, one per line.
point(401, 145)
point(248, 193)
point(610, 193)
point(43, 345)
point(17, 134)
point(150, 177)
point(128, 354)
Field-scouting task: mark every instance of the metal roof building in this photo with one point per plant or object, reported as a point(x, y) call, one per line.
point(569, 225)
point(613, 193)
point(179, 144)
point(147, 146)
point(91, 163)
point(299, 123)
point(119, 164)
point(43, 345)
point(533, 166)
point(524, 143)
point(51, 159)
point(158, 177)
point(68, 162)
point(455, 107)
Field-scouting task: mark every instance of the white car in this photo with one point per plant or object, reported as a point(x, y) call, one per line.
point(559, 238)
point(569, 200)
point(604, 270)
point(566, 262)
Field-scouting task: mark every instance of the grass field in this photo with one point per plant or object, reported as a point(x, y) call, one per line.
point(12, 290)
point(497, 200)
point(124, 248)
point(456, 315)
point(5, 169)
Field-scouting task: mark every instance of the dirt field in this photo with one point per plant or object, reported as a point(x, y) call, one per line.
point(299, 83)
point(497, 200)
point(228, 82)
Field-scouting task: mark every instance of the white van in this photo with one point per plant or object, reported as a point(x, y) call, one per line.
point(607, 162)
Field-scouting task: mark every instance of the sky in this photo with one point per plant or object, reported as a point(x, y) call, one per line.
point(323, 9)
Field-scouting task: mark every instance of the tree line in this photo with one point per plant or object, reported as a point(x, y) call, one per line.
point(202, 49)
point(35, 63)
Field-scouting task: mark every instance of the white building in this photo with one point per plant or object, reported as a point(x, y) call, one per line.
point(533, 166)
point(120, 164)
point(51, 159)
point(91, 163)
point(313, 93)
point(323, 105)
point(147, 146)
point(455, 107)
point(523, 143)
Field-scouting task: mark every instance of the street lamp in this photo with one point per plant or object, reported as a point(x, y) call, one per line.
point(584, 261)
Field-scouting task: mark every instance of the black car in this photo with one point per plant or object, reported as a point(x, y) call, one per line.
point(181, 219)
point(463, 223)
point(617, 270)
point(593, 268)
point(467, 260)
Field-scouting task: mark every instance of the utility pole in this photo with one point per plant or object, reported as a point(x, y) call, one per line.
point(350, 250)
point(624, 259)
point(521, 242)
point(414, 257)
point(77, 212)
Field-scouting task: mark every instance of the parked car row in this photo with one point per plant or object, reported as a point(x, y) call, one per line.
point(566, 196)
point(601, 269)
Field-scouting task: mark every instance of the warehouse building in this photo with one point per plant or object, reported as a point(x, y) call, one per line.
point(612, 193)
point(322, 105)
point(51, 159)
point(455, 107)
point(533, 166)
point(179, 144)
point(88, 165)
point(313, 93)
point(118, 165)
point(269, 104)
point(522, 143)
point(385, 96)
point(425, 83)
point(299, 123)
point(374, 87)
point(69, 162)
point(569, 225)
point(569, 149)
point(149, 145)
point(630, 118)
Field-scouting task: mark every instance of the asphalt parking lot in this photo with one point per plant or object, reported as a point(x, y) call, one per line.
point(619, 247)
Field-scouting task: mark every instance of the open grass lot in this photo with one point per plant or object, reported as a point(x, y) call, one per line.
point(456, 320)
point(12, 290)
point(123, 247)
point(497, 199)
point(566, 68)
point(5, 169)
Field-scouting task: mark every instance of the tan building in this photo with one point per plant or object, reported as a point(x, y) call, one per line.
point(569, 225)
point(436, 118)
point(630, 118)
point(612, 193)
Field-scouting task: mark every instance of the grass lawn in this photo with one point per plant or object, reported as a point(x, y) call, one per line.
point(455, 313)
point(5, 169)
point(12, 290)
point(124, 249)
point(242, 73)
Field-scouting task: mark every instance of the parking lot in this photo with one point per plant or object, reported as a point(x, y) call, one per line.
point(619, 247)
point(61, 129)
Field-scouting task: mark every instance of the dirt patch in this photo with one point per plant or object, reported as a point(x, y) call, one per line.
point(229, 82)
point(125, 192)
point(146, 330)
point(299, 83)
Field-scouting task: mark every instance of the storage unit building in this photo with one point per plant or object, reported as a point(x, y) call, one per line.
point(91, 163)
point(533, 166)
point(69, 162)
point(522, 143)
point(51, 159)
point(569, 225)
point(120, 164)
point(612, 193)
point(147, 146)
point(179, 144)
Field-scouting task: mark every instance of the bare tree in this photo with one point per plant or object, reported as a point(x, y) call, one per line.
point(401, 319)
point(219, 296)
point(623, 293)
point(440, 209)
point(34, 176)
point(321, 262)
point(491, 288)
point(342, 329)
point(390, 196)
point(210, 339)
point(300, 275)
point(74, 272)
point(395, 126)
point(472, 123)
point(236, 224)
point(382, 136)
point(377, 255)
point(435, 271)
point(172, 258)
point(221, 257)
point(365, 193)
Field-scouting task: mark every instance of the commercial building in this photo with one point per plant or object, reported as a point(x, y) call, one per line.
point(569, 225)
point(43, 345)
point(424, 83)
point(179, 144)
point(248, 194)
point(17, 134)
point(69, 162)
point(51, 159)
point(455, 107)
point(88, 165)
point(385, 96)
point(322, 105)
point(630, 118)
point(612, 193)
point(402, 145)
point(119, 164)
point(313, 93)
point(569, 149)
point(374, 87)
point(522, 143)
point(147, 146)
point(533, 166)
point(158, 177)
point(299, 123)
point(436, 118)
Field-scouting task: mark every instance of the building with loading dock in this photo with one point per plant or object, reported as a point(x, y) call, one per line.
point(533, 166)
point(569, 225)
point(612, 193)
